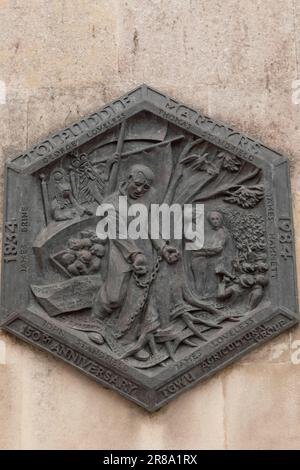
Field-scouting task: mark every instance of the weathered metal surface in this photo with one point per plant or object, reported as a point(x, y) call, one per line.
point(147, 317)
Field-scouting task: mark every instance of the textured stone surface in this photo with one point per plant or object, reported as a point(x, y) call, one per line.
point(262, 407)
point(236, 60)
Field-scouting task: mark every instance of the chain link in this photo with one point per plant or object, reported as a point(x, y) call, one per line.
point(151, 278)
point(146, 286)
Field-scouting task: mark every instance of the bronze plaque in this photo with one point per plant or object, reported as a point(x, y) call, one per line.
point(149, 246)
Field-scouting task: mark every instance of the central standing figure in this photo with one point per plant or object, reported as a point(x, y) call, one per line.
point(129, 260)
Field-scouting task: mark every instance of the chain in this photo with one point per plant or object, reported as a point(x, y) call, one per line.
point(146, 286)
point(151, 278)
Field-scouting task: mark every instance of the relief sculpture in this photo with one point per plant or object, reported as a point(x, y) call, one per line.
point(150, 303)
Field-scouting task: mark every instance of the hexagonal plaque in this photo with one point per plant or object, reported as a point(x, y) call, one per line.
point(146, 311)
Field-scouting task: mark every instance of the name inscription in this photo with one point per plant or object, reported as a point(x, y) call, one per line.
point(65, 141)
point(257, 335)
point(227, 137)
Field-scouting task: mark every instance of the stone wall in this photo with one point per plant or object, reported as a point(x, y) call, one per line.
point(236, 60)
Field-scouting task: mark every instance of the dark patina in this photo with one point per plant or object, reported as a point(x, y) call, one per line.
point(148, 318)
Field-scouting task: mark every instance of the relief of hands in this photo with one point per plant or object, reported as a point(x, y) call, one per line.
point(170, 254)
point(139, 264)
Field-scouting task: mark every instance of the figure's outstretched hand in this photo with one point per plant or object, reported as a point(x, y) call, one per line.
point(170, 253)
point(115, 158)
point(139, 264)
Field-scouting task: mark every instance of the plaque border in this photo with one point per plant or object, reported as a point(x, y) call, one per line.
point(266, 323)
